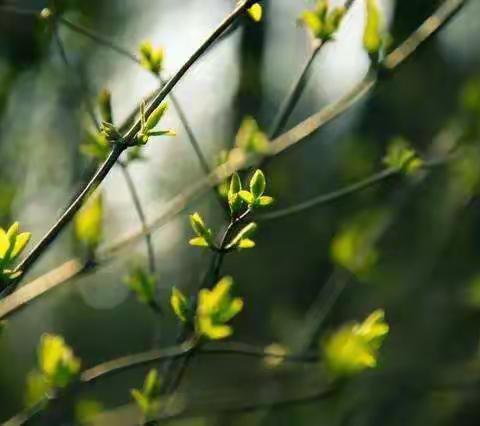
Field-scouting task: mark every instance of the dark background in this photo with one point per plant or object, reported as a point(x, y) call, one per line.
point(426, 227)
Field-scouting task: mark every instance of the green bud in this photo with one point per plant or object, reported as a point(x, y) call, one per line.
point(155, 117)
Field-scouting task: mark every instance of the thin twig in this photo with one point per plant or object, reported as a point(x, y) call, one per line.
point(141, 214)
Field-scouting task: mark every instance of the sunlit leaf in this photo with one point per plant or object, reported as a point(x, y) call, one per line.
point(256, 12)
point(89, 222)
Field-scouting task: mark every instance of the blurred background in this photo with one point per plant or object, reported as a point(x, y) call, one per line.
point(422, 229)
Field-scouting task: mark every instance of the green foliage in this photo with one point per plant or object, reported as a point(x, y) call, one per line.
point(89, 222)
point(96, 146)
point(354, 347)
point(151, 58)
point(204, 235)
point(250, 138)
point(323, 21)
point(402, 157)
point(256, 12)
point(12, 244)
point(147, 397)
point(255, 198)
point(214, 310)
point(149, 123)
point(142, 284)
point(57, 368)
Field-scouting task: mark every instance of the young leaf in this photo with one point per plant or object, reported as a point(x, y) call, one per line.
point(258, 184)
point(354, 347)
point(89, 222)
point(204, 234)
point(372, 36)
point(179, 304)
point(247, 197)
point(400, 156)
point(155, 117)
point(250, 138)
point(142, 284)
point(215, 308)
point(56, 360)
point(244, 235)
point(256, 12)
point(235, 202)
point(105, 105)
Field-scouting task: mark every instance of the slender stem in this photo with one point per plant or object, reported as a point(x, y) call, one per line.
point(141, 215)
point(70, 212)
point(83, 86)
point(294, 93)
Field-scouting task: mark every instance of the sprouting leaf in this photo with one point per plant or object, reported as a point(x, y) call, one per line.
point(242, 239)
point(105, 105)
point(247, 197)
point(250, 138)
point(89, 222)
point(204, 234)
point(155, 117)
point(354, 347)
point(180, 306)
point(56, 361)
point(258, 184)
point(142, 284)
point(256, 12)
point(96, 146)
point(323, 21)
point(12, 244)
point(215, 308)
point(110, 132)
point(146, 398)
point(372, 36)
point(151, 58)
point(265, 201)
point(353, 247)
point(400, 156)
point(235, 202)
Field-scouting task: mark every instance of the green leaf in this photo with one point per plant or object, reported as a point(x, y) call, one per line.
point(89, 222)
point(400, 156)
point(151, 58)
point(142, 284)
point(244, 234)
point(141, 400)
point(247, 197)
point(250, 138)
point(86, 410)
point(265, 201)
point(235, 202)
point(96, 146)
point(246, 243)
point(4, 243)
point(152, 383)
point(105, 105)
point(323, 21)
point(198, 226)
point(199, 242)
point(215, 308)
point(256, 12)
point(354, 347)
point(179, 304)
point(372, 36)
point(258, 184)
point(56, 360)
point(155, 117)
